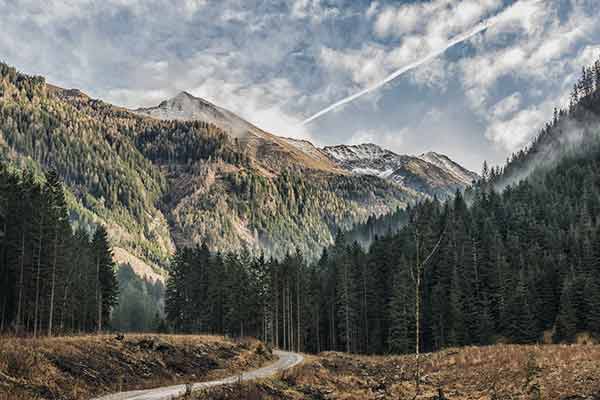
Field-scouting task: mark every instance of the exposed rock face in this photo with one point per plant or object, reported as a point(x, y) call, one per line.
point(430, 173)
point(455, 169)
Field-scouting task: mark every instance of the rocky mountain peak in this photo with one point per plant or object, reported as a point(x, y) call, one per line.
point(431, 172)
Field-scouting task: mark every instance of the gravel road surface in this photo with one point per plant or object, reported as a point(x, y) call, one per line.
point(286, 360)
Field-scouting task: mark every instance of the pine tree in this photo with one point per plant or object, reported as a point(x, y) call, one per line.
point(592, 302)
point(521, 327)
point(46, 277)
point(345, 301)
point(401, 337)
point(566, 321)
point(40, 234)
point(106, 284)
point(456, 334)
point(60, 232)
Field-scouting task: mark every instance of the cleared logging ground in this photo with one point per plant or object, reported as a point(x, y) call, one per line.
point(500, 372)
point(81, 367)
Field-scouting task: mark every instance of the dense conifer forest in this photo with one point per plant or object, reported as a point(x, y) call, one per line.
point(509, 260)
point(52, 280)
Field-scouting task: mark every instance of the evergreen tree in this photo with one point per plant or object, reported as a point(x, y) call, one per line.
point(401, 337)
point(566, 321)
point(46, 280)
point(107, 287)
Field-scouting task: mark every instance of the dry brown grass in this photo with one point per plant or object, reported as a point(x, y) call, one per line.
point(501, 372)
point(79, 367)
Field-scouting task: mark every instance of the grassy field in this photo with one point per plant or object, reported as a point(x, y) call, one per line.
point(500, 372)
point(80, 367)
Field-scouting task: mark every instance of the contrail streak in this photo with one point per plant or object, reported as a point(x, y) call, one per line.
point(456, 40)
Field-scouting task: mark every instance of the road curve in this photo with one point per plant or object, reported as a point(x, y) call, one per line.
point(286, 360)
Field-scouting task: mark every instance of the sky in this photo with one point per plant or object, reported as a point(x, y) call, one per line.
point(276, 63)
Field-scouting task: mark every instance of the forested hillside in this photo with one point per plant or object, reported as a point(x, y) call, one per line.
point(92, 152)
point(51, 278)
point(155, 184)
point(520, 265)
point(376, 227)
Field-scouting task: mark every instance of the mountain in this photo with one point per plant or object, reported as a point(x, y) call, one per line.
point(188, 172)
point(157, 185)
point(271, 152)
point(460, 173)
point(430, 173)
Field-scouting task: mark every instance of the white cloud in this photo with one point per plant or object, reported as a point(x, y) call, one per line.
point(433, 74)
point(507, 106)
point(131, 96)
point(313, 10)
point(366, 65)
point(191, 6)
point(588, 55)
point(398, 21)
point(437, 19)
point(433, 115)
point(541, 50)
point(372, 10)
point(517, 131)
point(525, 16)
point(421, 28)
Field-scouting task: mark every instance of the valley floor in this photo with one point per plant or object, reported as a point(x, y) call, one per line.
point(77, 368)
point(495, 372)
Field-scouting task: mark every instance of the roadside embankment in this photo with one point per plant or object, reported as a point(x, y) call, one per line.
point(81, 367)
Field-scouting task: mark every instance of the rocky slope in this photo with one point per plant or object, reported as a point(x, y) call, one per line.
point(430, 173)
point(459, 172)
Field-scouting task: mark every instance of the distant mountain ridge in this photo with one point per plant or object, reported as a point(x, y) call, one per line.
point(431, 173)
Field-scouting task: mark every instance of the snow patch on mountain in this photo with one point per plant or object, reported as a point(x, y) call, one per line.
point(431, 173)
point(366, 151)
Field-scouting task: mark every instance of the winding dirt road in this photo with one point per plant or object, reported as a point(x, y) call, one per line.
point(286, 360)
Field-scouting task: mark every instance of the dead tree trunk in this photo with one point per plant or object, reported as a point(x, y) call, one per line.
point(284, 316)
point(21, 282)
point(37, 279)
point(419, 270)
point(98, 294)
point(53, 283)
